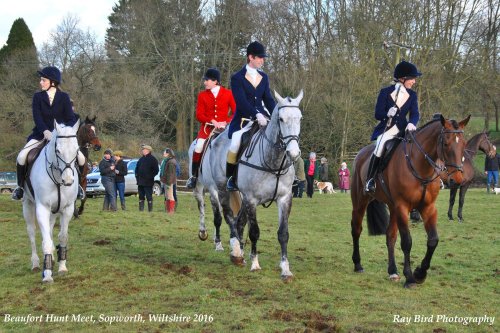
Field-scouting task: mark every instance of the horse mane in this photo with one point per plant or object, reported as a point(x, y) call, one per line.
point(432, 121)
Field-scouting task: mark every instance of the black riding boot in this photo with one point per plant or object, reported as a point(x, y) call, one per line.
point(81, 193)
point(231, 174)
point(372, 170)
point(21, 174)
point(191, 183)
point(141, 205)
point(150, 206)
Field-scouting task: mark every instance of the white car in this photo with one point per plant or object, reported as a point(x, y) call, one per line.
point(95, 187)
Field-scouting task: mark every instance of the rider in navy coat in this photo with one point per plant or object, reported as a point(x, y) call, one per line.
point(250, 87)
point(394, 104)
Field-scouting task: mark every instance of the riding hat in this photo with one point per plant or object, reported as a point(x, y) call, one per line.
point(256, 49)
point(406, 69)
point(52, 73)
point(212, 74)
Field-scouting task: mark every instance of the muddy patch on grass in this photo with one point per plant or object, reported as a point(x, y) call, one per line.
point(102, 242)
point(168, 267)
point(313, 321)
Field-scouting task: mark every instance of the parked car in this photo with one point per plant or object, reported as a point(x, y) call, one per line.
point(8, 182)
point(95, 187)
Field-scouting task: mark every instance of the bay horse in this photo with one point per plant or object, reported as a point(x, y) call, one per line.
point(479, 141)
point(51, 191)
point(265, 175)
point(435, 151)
point(87, 138)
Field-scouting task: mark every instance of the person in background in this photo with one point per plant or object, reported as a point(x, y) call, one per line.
point(212, 111)
point(145, 171)
point(491, 165)
point(120, 171)
point(300, 178)
point(49, 105)
point(394, 104)
point(178, 173)
point(344, 174)
point(323, 170)
point(169, 178)
point(250, 87)
point(311, 170)
point(107, 170)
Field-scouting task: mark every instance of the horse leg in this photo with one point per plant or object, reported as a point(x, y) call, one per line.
point(236, 254)
point(29, 217)
point(391, 237)
point(358, 211)
point(253, 233)
point(453, 193)
point(198, 195)
point(82, 205)
point(63, 240)
point(430, 222)
point(406, 243)
point(217, 222)
point(284, 208)
point(43, 216)
point(461, 200)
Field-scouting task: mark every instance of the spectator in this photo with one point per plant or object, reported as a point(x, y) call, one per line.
point(107, 170)
point(169, 178)
point(323, 170)
point(344, 175)
point(120, 171)
point(178, 174)
point(145, 172)
point(311, 170)
point(491, 165)
point(300, 178)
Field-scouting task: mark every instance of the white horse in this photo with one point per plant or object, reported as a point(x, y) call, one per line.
point(265, 175)
point(53, 192)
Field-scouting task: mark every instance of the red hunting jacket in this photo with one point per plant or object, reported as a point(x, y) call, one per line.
point(209, 107)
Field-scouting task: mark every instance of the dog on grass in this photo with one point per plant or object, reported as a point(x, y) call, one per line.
point(324, 187)
point(496, 190)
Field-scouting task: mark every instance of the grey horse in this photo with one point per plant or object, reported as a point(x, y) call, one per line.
point(265, 175)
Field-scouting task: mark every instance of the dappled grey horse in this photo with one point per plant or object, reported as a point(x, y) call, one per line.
point(265, 175)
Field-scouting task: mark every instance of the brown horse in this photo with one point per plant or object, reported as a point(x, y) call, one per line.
point(87, 138)
point(435, 151)
point(479, 141)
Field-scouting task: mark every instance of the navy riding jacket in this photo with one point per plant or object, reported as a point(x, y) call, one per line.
point(385, 102)
point(44, 114)
point(249, 99)
point(146, 170)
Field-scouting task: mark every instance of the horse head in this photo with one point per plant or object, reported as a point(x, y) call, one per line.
point(64, 145)
point(486, 146)
point(451, 148)
point(289, 117)
point(87, 134)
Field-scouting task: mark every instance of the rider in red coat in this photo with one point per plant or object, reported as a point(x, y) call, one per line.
point(212, 111)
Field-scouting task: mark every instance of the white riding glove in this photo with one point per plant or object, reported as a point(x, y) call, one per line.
point(410, 127)
point(261, 119)
point(392, 112)
point(47, 135)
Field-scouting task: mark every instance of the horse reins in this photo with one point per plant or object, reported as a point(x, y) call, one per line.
point(280, 145)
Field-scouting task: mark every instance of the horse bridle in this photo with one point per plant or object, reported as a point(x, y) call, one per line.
point(55, 166)
point(438, 169)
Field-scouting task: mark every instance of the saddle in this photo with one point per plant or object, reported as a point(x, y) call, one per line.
point(390, 147)
point(246, 138)
point(30, 161)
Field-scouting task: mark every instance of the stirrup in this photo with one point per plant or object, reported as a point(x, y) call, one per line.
point(81, 193)
point(191, 183)
point(18, 193)
point(370, 185)
point(231, 186)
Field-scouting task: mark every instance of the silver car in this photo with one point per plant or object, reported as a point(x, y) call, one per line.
point(95, 187)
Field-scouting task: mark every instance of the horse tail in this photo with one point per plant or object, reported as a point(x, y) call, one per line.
point(235, 202)
point(377, 217)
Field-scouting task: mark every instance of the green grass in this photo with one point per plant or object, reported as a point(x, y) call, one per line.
point(131, 263)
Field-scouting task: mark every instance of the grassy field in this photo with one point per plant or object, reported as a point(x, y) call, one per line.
point(133, 266)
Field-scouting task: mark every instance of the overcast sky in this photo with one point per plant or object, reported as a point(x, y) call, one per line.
point(42, 17)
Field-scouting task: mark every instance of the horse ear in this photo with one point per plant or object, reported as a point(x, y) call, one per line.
point(443, 121)
point(278, 97)
point(464, 122)
point(93, 120)
point(300, 96)
point(76, 125)
point(87, 119)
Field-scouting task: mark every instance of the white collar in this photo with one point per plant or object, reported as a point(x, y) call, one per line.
point(251, 71)
point(215, 90)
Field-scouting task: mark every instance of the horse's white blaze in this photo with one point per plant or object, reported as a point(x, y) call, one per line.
point(255, 263)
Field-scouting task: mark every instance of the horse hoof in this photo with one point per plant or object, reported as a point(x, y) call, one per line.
point(394, 277)
point(238, 261)
point(62, 272)
point(410, 285)
point(219, 247)
point(203, 235)
point(48, 279)
point(35, 269)
point(287, 278)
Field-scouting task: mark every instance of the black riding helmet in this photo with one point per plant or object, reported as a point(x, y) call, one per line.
point(406, 69)
point(212, 74)
point(52, 73)
point(256, 49)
